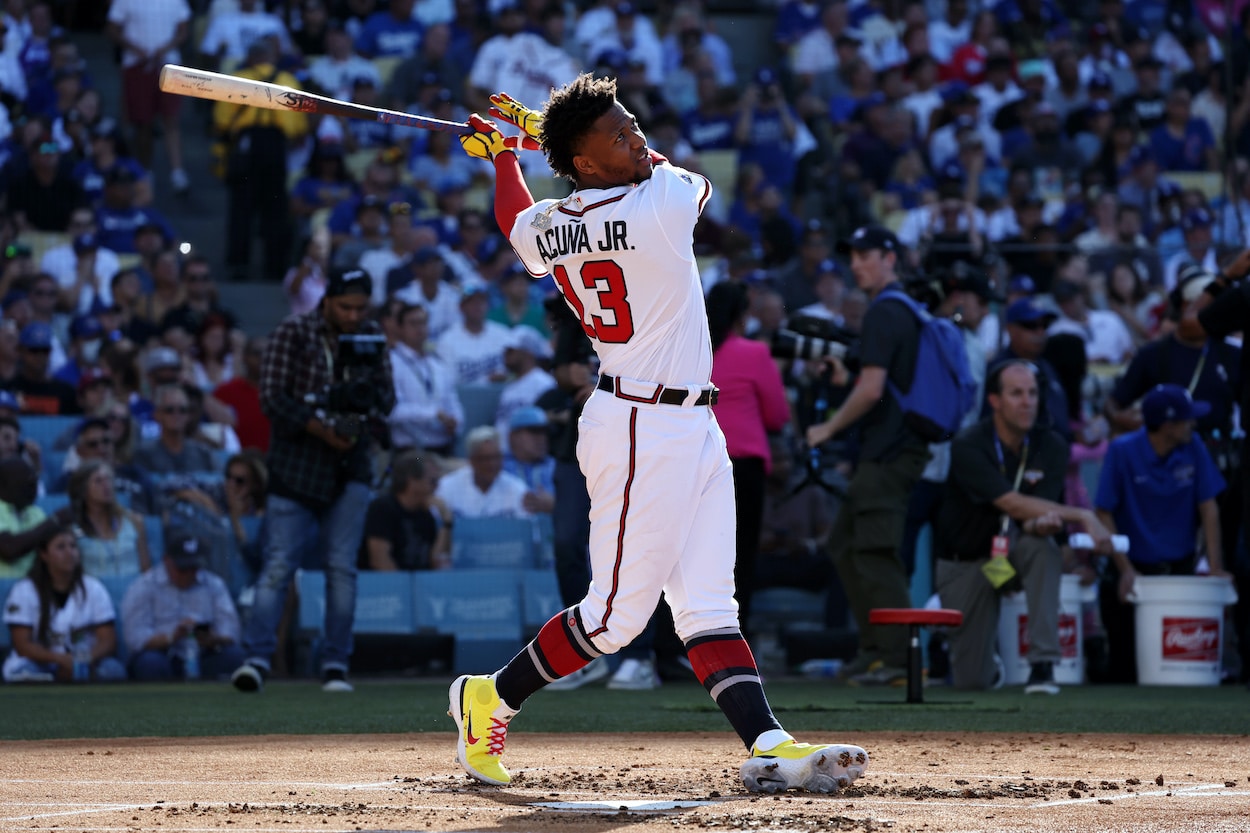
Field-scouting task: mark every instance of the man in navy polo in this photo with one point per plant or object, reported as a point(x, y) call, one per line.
point(1157, 483)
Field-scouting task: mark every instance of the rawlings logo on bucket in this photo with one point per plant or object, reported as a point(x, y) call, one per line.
point(1067, 635)
point(1191, 640)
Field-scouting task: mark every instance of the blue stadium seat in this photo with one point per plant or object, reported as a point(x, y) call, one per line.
point(154, 526)
point(117, 586)
point(493, 544)
point(540, 598)
point(46, 429)
point(52, 502)
point(481, 404)
point(6, 584)
point(476, 604)
point(53, 464)
point(384, 602)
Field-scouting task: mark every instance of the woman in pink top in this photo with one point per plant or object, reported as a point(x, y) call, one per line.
point(752, 403)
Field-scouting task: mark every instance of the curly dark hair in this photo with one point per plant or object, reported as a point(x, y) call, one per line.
point(568, 117)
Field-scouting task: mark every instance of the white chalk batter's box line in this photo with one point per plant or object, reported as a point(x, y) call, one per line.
point(1200, 791)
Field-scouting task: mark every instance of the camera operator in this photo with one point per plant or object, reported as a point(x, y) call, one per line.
point(320, 403)
point(866, 537)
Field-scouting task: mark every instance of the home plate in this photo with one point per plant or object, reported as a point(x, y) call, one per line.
point(619, 806)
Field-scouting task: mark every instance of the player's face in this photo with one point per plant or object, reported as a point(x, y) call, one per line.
point(614, 152)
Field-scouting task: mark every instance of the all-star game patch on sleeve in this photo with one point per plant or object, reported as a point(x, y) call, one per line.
point(528, 227)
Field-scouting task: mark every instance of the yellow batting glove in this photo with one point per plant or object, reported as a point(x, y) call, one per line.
point(514, 112)
point(485, 142)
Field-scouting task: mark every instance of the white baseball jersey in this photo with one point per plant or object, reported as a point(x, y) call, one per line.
point(84, 609)
point(473, 357)
point(624, 261)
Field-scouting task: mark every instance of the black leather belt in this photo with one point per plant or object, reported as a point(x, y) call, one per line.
point(666, 396)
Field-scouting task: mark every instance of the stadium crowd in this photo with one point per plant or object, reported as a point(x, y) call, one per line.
point(1062, 180)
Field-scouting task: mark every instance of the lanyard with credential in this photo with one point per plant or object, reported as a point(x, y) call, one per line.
point(1002, 467)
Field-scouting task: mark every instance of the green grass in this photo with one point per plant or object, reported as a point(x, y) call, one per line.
point(395, 706)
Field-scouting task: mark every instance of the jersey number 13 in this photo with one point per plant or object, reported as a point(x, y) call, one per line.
point(606, 316)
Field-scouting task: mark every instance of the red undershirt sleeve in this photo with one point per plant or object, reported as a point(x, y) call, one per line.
point(512, 195)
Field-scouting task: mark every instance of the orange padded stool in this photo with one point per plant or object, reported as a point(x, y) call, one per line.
point(915, 618)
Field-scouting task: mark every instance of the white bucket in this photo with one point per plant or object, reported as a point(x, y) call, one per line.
point(1013, 636)
point(1180, 628)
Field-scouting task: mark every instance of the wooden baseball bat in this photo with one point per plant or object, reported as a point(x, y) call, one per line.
point(216, 86)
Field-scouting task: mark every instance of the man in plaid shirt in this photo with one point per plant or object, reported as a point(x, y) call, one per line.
point(318, 478)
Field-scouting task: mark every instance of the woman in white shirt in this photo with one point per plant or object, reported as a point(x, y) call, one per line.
point(60, 621)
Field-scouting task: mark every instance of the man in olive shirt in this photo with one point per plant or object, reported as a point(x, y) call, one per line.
point(869, 530)
point(1006, 471)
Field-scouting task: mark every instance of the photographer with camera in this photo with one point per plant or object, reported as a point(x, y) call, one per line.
point(325, 380)
point(867, 534)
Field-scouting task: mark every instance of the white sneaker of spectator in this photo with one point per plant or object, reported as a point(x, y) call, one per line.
point(635, 675)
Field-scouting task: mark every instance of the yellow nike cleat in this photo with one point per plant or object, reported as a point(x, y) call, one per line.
point(814, 767)
point(482, 719)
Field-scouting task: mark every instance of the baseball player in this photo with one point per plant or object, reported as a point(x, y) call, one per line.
point(660, 482)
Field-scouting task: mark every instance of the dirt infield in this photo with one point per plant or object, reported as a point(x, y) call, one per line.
point(935, 782)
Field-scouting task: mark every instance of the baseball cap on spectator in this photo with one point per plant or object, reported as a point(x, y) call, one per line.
point(757, 277)
point(99, 305)
point(998, 61)
point(85, 326)
point(531, 416)
point(614, 59)
point(150, 227)
point(523, 337)
point(1196, 218)
point(828, 266)
point(1100, 105)
point(873, 99)
point(1167, 189)
point(472, 289)
point(425, 254)
point(1064, 291)
point(867, 238)
point(13, 296)
point(186, 550)
point(1027, 311)
point(348, 282)
point(1100, 81)
point(951, 171)
point(978, 284)
point(1021, 285)
point(1136, 34)
point(1044, 108)
point(86, 242)
point(957, 92)
point(8, 402)
point(1170, 403)
point(35, 336)
point(371, 202)
point(106, 128)
point(119, 175)
point(1139, 155)
point(849, 36)
point(1191, 281)
point(93, 376)
point(161, 358)
point(624, 9)
point(765, 77)
point(1032, 69)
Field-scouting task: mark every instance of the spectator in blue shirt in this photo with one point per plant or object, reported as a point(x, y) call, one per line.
point(390, 33)
point(766, 129)
point(1181, 142)
point(119, 219)
point(1157, 483)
